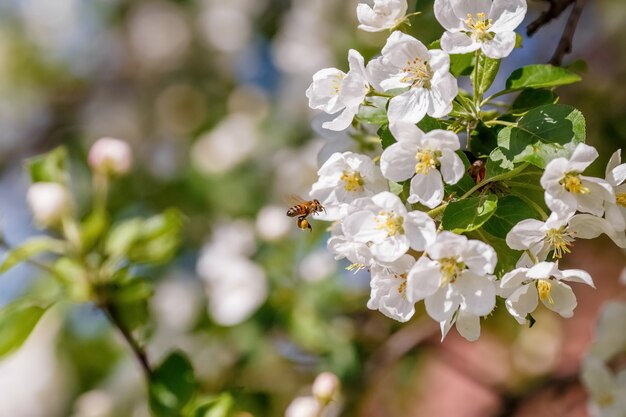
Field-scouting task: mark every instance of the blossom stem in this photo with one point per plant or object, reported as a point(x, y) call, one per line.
point(500, 122)
point(437, 210)
point(495, 95)
point(375, 93)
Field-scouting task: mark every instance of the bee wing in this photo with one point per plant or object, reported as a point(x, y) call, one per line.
point(293, 199)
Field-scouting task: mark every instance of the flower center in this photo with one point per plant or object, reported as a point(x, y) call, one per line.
point(479, 26)
point(353, 181)
point(402, 286)
point(543, 287)
point(573, 184)
point(336, 85)
point(418, 73)
point(391, 222)
point(450, 268)
point(559, 240)
point(426, 161)
point(605, 400)
point(620, 199)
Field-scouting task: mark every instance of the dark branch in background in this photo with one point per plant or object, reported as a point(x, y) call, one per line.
point(557, 7)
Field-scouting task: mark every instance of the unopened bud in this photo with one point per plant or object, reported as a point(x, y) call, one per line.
point(110, 156)
point(49, 202)
point(304, 407)
point(326, 386)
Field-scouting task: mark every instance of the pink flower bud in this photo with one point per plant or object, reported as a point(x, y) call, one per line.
point(304, 407)
point(49, 202)
point(325, 386)
point(110, 156)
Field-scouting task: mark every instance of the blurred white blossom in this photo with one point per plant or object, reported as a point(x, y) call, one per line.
point(49, 202)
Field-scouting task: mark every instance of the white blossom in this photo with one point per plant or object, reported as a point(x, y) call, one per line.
point(110, 156)
point(49, 202)
point(386, 14)
point(422, 75)
point(388, 285)
point(566, 190)
point(326, 386)
point(480, 24)
point(388, 230)
point(524, 287)
point(607, 391)
point(610, 338)
point(429, 159)
point(304, 407)
point(615, 176)
point(334, 91)
point(455, 282)
point(345, 177)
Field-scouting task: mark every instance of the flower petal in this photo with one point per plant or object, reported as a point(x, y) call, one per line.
point(577, 275)
point(423, 279)
point(441, 94)
point(479, 257)
point(468, 325)
point(507, 14)
point(478, 293)
point(442, 304)
point(427, 189)
point(401, 48)
point(525, 235)
point(341, 122)
point(447, 245)
point(462, 8)
point(458, 43)
point(500, 46)
point(446, 17)
point(452, 167)
point(410, 106)
point(391, 248)
point(523, 301)
point(563, 299)
point(420, 229)
point(397, 162)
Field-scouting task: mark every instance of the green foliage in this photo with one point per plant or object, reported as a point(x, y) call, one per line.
point(172, 385)
point(486, 72)
point(17, 321)
point(542, 134)
point(469, 214)
point(386, 136)
point(219, 406)
point(511, 210)
point(372, 114)
point(530, 98)
point(29, 249)
point(49, 167)
point(540, 76)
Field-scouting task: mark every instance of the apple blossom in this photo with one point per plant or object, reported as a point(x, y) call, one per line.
point(429, 159)
point(422, 75)
point(386, 14)
point(566, 190)
point(388, 285)
point(524, 287)
point(616, 175)
point(480, 24)
point(455, 282)
point(607, 391)
point(334, 91)
point(109, 156)
point(49, 202)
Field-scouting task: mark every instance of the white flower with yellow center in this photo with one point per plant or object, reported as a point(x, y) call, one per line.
point(333, 91)
point(566, 190)
point(480, 24)
point(524, 287)
point(616, 175)
point(388, 285)
point(422, 76)
point(557, 234)
point(386, 14)
point(384, 225)
point(345, 177)
point(607, 390)
point(456, 283)
point(429, 159)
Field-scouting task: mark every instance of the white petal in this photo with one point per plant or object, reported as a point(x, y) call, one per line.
point(525, 235)
point(463, 7)
point(500, 46)
point(362, 226)
point(587, 226)
point(468, 325)
point(406, 132)
point(582, 157)
point(522, 301)
point(410, 106)
point(340, 122)
point(478, 293)
point(390, 201)
point(423, 279)
point(554, 173)
point(514, 278)
point(439, 61)
point(561, 202)
point(427, 189)
point(614, 162)
point(397, 162)
point(563, 297)
point(507, 14)
point(452, 168)
point(439, 139)
point(401, 48)
point(420, 229)
point(577, 275)
point(446, 17)
point(447, 245)
point(379, 70)
point(542, 270)
point(479, 257)
point(442, 304)
point(442, 92)
point(458, 43)
point(391, 248)
point(614, 216)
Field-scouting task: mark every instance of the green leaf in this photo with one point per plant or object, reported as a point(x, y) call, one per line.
point(371, 114)
point(171, 386)
point(30, 249)
point(17, 321)
point(511, 210)
point(92, 229)
point(50, 167)
point(72, 273)
point(220, 406)
point(540, 76)
point(469, 214)
point(530, 98)
point(487, 70)
point(483, 140)
point(544, 133)
point(461, 64)
point(428, 123)
point(386, 137)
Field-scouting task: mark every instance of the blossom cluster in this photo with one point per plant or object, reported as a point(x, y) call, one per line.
point(421, 218)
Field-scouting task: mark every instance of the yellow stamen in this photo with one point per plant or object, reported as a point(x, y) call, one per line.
point(402, 286)
point(479, 26)
point(450, 269)
point(559, 240)
point(336, 85)
point(353, 181)
point(426, 161)
point(391, 222)
point(418, 73)
point(543, 287)
point(573, 184)
point(621, 199)
point(355, 267)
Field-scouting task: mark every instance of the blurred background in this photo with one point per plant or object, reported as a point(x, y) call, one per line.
point(210, 94)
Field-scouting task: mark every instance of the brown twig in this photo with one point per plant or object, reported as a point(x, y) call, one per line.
point(557, 7)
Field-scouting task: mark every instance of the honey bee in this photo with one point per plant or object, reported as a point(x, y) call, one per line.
point(302, 209)
point(477, 171)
